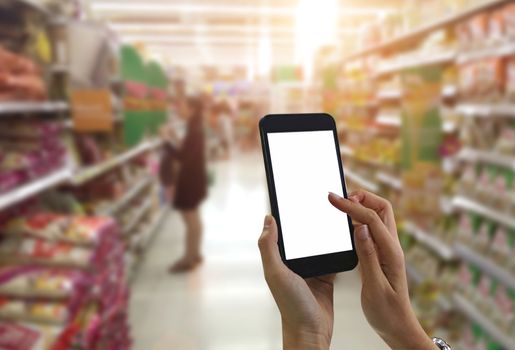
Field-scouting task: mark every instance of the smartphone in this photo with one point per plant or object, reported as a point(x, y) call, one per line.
point(302, 160)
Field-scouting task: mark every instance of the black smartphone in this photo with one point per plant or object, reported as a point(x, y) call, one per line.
point(302, 160)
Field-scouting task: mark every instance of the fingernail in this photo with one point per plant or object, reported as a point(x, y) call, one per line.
point(268, 221)
point(362, 232)
point(334, 195)
point(354, 198)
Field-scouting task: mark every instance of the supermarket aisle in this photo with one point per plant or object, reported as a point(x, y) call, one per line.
point(225, 304)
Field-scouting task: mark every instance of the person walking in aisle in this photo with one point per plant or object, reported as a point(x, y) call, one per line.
point(306, 305)
point(191, 185)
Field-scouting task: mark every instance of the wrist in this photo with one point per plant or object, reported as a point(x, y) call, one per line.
point(413, 337)
point(304, 339)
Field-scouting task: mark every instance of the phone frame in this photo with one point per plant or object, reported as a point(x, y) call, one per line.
point(316, 265)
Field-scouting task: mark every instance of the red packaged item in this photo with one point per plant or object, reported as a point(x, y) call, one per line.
point(478, 28)
point(509, 20)
point(16, 64)
point(496, 30)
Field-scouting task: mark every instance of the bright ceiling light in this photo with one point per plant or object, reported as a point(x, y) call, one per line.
point(316, 25)
point(264, 53)
point(206, 40)
point(227, 9)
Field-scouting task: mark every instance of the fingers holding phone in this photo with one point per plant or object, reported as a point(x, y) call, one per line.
point(384, 295)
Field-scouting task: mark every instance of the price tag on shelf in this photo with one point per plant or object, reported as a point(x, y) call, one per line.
point(92, 110)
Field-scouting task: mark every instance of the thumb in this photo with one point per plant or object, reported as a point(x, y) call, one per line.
point(370, 268)
point(267, 243)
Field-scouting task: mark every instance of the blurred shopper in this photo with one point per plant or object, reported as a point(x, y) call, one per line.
point(168, 162)
point(226, 128)
point(191, 185)
point(306, 305)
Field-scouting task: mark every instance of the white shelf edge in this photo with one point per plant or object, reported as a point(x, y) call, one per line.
point(478, 317)
point(435, 59)
point(389, 120)
point(361, 181)
point(469, 204)
point(499, 50)
point(486, 265)
point(486, 109)
point(128, 197)
point(435, 244)
point(138, 216)
point(389, 180)
point(495, 158)
point(389, 94)
point(32, 188)
point(20, 107)
point(346, 151)
point(84, 175)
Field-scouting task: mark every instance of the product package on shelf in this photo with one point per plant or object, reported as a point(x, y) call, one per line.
point(66, 271)
point(29, 150)
point(20, 78)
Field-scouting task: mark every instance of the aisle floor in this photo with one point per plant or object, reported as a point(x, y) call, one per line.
point(225, 304)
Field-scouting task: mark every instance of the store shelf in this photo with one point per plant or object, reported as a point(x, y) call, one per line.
point(361, 181)
point(346, 151)
point(419, 33)
point(493, 214)
point(450, 91)
point(389, 94)
point(34, 187)
point(486, 110)
point(26, 107)
point(486, 265)
point(497, 51)
point(128, 197)
point(149, 235)
point(412, 62)
point(389, 120)
point(389, 180)
point(475, 155)
point(476, 316)
point(442, 249)
point(137, 217)
point(89, 173)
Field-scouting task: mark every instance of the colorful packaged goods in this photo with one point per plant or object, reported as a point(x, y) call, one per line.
point(67, 271)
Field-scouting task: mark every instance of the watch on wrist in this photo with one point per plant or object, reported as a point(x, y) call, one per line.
point(442, 345)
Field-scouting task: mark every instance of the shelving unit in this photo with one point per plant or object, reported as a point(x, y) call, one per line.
point(486, 265)
point(389, 180)
point(89, 173)
point(128, 197)
point(28, 107)
point(494, 158)
point(486, 110)
point(421, 32)
point(361, 181)
point(442, 249)
point(472, 313)
point(471, 205)
point(34, 187)
point(412, 62)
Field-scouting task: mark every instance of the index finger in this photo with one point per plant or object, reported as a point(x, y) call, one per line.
point(381, 206)
point(369, 217)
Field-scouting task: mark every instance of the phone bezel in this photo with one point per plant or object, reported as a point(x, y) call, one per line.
point(317, 265)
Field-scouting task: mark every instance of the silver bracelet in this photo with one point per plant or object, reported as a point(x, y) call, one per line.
point(442, 345)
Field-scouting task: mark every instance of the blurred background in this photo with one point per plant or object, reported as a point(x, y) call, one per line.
point(92, 97)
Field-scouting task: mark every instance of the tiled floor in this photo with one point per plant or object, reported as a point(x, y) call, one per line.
point(225, 304)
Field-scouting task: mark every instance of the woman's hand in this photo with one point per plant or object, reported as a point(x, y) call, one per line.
point(384, 295)
point(306, 305)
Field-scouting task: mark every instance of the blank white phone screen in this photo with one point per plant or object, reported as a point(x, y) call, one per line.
point(305, 168)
